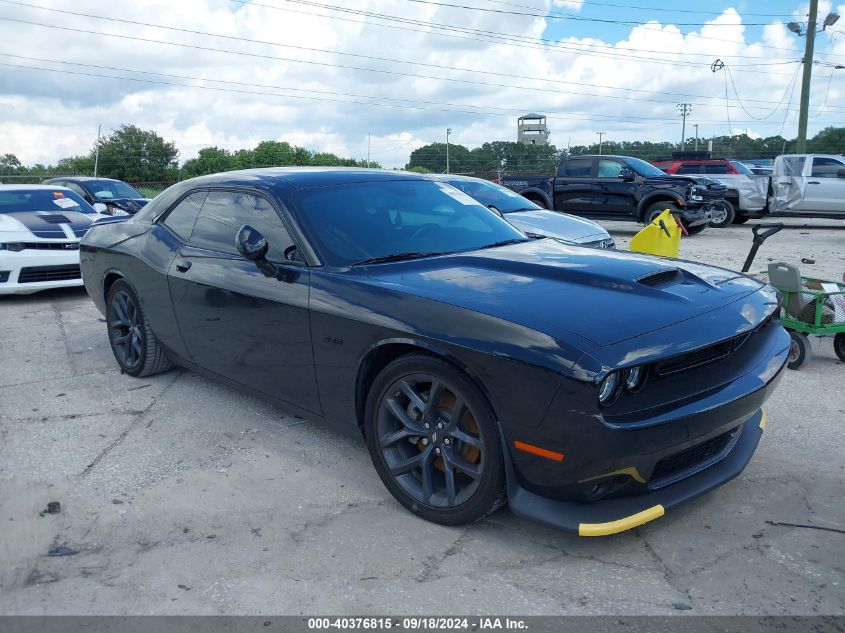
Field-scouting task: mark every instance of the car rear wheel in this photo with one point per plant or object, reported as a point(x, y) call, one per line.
point(434, 442)
point(725, 216)
point(133, 343)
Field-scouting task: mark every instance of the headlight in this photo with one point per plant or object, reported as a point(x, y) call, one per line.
point(609, 389)
point(696, 195)
point(634, 379)
point(15, 247)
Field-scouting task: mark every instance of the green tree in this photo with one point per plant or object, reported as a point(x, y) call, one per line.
point(209, 160)
point(9, 164)
point(135, 155)
point(75, 166)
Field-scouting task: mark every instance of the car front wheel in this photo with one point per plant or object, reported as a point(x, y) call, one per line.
point(724, 216)
point(134, 345)
point(434, 442)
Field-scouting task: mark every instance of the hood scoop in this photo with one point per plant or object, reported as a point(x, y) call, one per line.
point(660, 277)
point(54, 218)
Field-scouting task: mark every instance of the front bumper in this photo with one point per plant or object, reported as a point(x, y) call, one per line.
point(699, 215)
point(31, 270)
point(614, 515)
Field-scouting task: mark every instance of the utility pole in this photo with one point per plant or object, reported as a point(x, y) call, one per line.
point(696, 136)
point(685, 109)
point(448, 132)
point(97, 152)
point(600, 135)
point(801, 143)
point(368, 149)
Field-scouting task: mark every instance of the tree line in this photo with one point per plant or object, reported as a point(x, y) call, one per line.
point(513, 157)
point(135, 155)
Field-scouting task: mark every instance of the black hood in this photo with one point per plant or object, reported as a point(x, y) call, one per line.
point(49, 224)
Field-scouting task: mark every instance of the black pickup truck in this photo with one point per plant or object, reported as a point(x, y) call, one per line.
point(616, 187)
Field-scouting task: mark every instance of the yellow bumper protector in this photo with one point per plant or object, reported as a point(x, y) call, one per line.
point(620, 525)
point(632, 472)
point(764, 420)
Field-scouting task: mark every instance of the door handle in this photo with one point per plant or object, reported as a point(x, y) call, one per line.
point(183, 266)
point(813, 182)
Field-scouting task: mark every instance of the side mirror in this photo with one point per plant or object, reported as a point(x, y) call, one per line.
point(495, 210)
point(627, 175)
point(99, 207)
point(251, 243)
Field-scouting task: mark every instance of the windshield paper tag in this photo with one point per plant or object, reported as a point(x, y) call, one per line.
point(458, 195)
point(64, 203)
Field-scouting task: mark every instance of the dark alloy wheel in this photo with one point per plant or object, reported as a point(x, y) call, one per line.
point(839, 346)
point(656, 209)
point(433, 440)
point(133, 343)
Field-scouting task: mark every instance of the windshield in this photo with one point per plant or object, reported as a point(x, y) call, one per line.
point(643, 168)
point(109, 189)
point(359, 221)
point(491, 194)
point(42, 200)
point(741, 168)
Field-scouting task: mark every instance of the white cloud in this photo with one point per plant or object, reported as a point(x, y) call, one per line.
point(329, 101)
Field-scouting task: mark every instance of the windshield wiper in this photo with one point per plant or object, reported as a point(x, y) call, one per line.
point(395, 257)
point(504, 243)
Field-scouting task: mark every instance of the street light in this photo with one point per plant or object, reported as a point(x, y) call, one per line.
point(448, 132)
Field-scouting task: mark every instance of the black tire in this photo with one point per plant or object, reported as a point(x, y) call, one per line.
point(417, 464)
point(540, 202)
point(656, 209)
point(134, 345)
point(799, 350)
point(839, 346)
point(725, 217)
point(695, 230)
point(741, 219)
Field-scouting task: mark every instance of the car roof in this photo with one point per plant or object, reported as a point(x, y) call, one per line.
point(84, 178)
point(32, 187)
point(456, 177)
point(302, 177)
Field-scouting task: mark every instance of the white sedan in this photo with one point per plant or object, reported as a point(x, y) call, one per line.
point(40, 229)
point(527, 216)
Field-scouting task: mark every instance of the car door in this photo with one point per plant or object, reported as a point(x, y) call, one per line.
point(234, 320)
point(825, 189)
point(575, 188)
point(614, 194)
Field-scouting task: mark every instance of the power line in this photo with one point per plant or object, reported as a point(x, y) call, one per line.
point(641, 8)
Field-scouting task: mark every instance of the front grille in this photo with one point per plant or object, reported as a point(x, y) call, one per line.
point(4, 276)
point(35, 274)
point(51, 246)
point(692, 457)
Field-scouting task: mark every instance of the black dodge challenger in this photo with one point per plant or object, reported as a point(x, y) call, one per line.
point(591, 390)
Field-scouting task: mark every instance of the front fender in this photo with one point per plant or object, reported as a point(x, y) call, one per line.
point(547, 199)
point(657, 196)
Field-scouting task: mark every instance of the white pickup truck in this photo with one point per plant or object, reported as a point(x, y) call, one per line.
point(801, 185)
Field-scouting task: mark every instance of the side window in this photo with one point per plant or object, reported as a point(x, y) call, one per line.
point(578, 168)
point(689, 168)
point(225, 212)
point(717, 168)
point(77, 189)
point(610, 169)
point(826, 167)
point(181, 218)
point(793, 166)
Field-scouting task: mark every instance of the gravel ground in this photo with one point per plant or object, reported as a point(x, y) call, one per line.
point(184, 497)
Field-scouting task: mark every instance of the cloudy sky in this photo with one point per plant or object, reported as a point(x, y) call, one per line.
point(326, 74)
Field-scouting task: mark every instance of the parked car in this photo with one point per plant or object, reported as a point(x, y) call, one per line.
point(531, 218)
point(119, 197)
point(40, 227)
point(620, 187)
point(592, 389)
point(744, 189)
